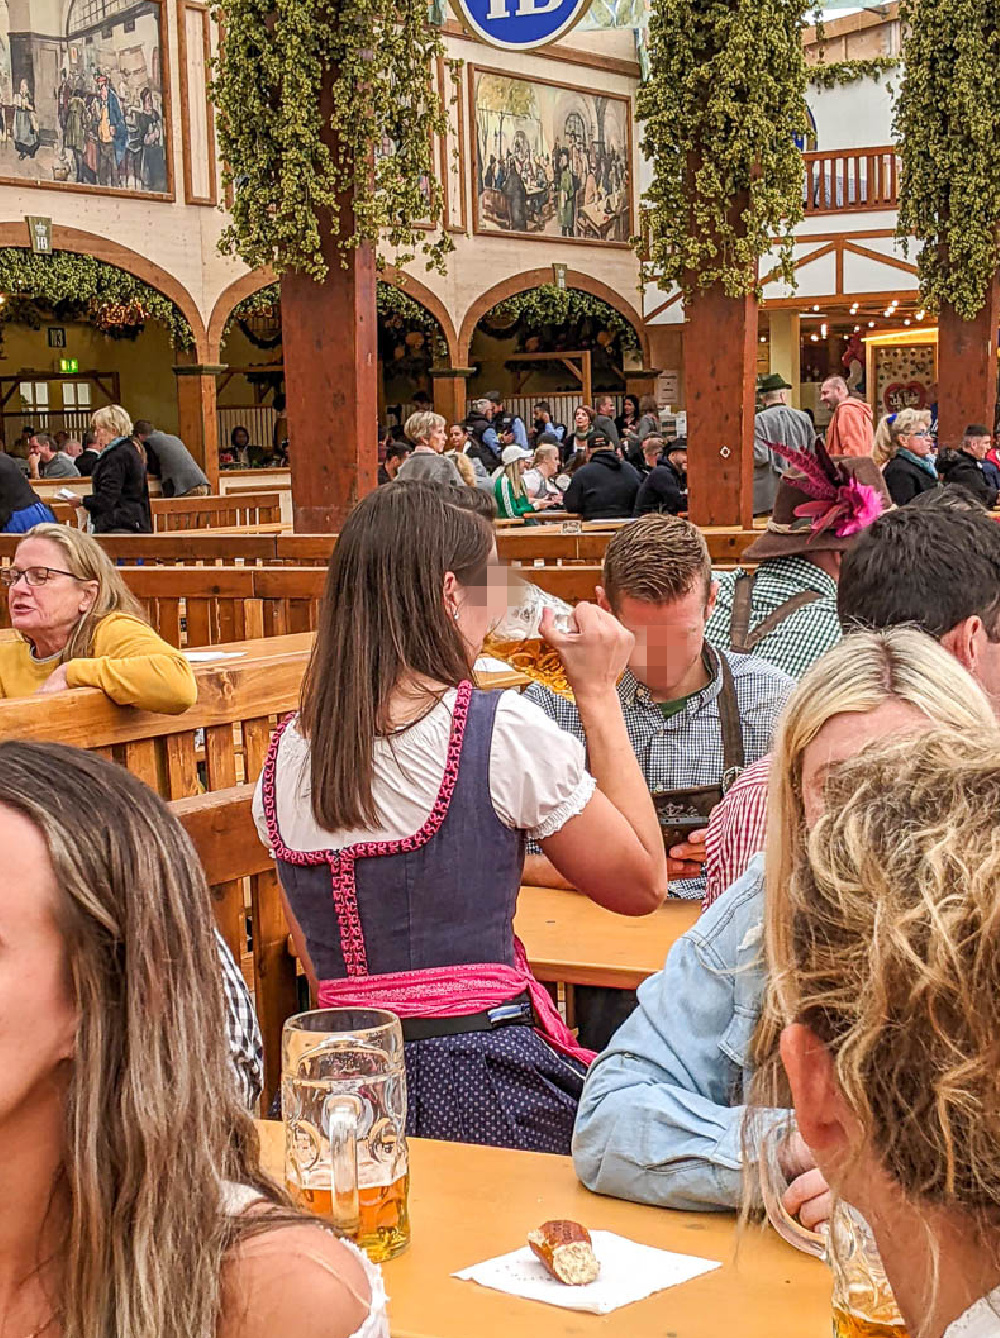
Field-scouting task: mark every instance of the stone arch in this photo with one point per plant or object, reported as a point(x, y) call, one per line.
point(245, 286)
point(260, 278)
point(113, 253)
point(536, 278)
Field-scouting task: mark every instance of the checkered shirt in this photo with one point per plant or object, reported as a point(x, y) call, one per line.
point(686, 750)
point(801, 638)
point(736, 831)
point(245, 1045)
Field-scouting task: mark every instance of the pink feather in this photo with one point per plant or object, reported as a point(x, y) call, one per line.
point(816, 483)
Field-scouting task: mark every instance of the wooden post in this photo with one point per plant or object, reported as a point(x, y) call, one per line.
point(967, 369)
point(451, 391)
point(330, 347)
point(196, 414)
point(720, 361)
point(587, 377)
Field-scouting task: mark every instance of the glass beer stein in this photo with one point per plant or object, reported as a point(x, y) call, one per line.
point(343, 1094)
point(517, 641)
point(863, 1303)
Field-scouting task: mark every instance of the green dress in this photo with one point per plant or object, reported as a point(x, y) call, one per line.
point(509, 505)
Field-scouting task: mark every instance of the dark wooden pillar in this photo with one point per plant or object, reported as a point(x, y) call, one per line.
point(450, 391)
point(720, 366)
point(197, 424)
point(330, 346)
point(967, 369)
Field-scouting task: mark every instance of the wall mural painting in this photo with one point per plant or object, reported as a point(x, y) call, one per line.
point(81, 94)
point(551, 161)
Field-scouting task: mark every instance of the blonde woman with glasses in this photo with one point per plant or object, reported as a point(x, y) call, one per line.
point(133, 1200)
point(662, 1113)
point(884, 947)
point(79, 626)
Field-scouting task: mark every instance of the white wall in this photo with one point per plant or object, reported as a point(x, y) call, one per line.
point(854, 115)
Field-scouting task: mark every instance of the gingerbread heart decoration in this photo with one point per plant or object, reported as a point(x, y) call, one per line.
point(908, 395)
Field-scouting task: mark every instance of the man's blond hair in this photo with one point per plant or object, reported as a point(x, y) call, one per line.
point(657, 559)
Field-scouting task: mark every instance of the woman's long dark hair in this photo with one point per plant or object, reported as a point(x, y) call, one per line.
point(383, 616)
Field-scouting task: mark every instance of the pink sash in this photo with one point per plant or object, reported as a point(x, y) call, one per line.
point(456, 991)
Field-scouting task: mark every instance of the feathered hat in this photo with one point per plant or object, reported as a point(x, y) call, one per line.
point(823, 502)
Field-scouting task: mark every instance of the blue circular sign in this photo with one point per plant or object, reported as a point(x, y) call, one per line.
point(519, 25)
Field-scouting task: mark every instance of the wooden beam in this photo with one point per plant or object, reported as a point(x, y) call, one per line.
point(967, 369)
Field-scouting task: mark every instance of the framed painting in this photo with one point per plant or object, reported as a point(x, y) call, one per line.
point(551, 162)
point(85, 96)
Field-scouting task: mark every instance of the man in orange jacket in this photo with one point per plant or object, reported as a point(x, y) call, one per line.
point(850, 431)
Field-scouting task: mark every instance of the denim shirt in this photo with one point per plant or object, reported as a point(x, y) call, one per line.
point(660, 1119)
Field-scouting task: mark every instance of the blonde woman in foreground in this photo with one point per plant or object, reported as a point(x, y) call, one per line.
point(662, 1113)
point(885, 955)
point(80, 626)
point(133, 1200)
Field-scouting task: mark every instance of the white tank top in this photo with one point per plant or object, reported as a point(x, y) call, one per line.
point(238, 1198)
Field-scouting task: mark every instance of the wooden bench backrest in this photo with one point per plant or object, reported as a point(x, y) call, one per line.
point(238, 702)
point(194, 513)
point(222, 829)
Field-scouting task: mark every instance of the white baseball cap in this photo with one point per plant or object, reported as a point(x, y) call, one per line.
point(514, 452)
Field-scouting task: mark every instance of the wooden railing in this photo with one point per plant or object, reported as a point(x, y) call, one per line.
point(850, 181)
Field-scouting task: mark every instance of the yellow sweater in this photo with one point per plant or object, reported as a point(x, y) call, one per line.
point(130, 663)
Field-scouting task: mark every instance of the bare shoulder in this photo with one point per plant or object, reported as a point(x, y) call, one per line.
point(300, 1278)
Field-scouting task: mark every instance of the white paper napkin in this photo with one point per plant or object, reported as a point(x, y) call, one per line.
point(212, 656)
point(486, 664)
point(629, 1272)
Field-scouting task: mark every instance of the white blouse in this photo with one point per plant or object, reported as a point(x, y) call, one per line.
point(538, 778)
point(981, 1320)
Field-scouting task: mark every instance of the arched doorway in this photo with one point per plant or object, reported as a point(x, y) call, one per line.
point(552, 343)
point(87, 325)
point(415, 333)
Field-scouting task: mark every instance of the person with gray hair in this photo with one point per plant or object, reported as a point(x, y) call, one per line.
point(119, 499)
point(776, 422)
point(427, 464)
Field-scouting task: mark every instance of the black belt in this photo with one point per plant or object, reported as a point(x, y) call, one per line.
point(514, 1013)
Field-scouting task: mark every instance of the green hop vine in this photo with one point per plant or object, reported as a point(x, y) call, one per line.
point(841, 73)
point(562, 308)
point(722, 107)
point(392, 303)
point(296, 77)
point(948, 122)
point(81, 287)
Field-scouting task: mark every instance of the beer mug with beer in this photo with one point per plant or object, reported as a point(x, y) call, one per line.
point(343, 1094)
point(516, 638)
point(863, 1303)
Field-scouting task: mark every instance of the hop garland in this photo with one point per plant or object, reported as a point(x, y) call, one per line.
point(116, 301)
point(363, 65)
point(549, 305)
point(722, 107)
point(841, 73)
point(948, 120)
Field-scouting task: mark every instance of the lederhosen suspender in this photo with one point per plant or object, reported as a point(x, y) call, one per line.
point(741, 639)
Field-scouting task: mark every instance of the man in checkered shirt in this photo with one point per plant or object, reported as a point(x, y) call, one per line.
point(657, 582)
point(789, 604)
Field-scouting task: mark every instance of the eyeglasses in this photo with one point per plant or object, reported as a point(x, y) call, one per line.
point(922, 433)
point(33, 575)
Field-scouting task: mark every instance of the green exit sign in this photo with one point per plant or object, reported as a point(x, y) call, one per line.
point(67, 365)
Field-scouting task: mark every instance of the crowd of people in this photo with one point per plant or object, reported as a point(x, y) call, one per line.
point(118, 456)
point(602, 466)
point(826, 726)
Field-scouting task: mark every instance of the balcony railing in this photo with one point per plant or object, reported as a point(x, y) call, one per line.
point(850, 181)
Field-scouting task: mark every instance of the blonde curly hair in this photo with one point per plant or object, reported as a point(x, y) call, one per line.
point(886, 943)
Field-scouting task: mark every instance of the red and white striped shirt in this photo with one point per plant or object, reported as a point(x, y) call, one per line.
point(736, 831)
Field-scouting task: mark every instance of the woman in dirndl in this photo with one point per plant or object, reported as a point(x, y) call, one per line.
point(398, 802)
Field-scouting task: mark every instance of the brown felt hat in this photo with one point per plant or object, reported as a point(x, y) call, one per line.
point(789, 535)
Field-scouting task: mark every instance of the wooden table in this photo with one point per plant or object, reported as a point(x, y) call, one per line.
point(571, 940)
point(469, 1204)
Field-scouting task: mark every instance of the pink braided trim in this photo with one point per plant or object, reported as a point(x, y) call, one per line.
point(341, 862)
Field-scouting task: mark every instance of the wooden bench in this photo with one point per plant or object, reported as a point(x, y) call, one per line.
point(238, 702)
point(196, 513)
